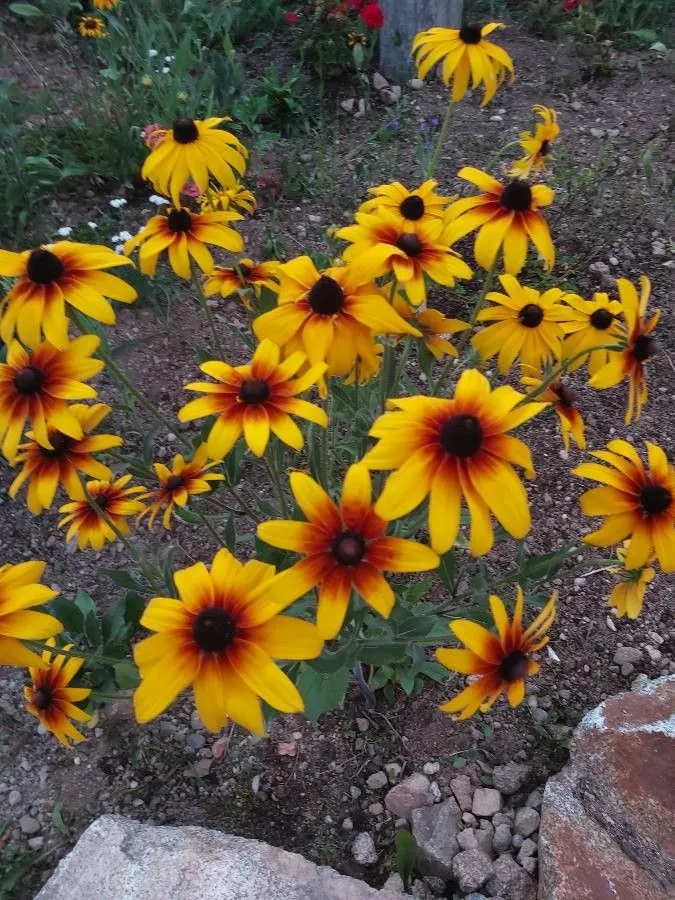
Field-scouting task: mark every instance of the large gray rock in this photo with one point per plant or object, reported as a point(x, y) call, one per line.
point(435, 829)
point(117, 859)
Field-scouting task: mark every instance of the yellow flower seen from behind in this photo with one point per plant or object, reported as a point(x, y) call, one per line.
point(627, 596)
point(537, 144)
point(178, 483)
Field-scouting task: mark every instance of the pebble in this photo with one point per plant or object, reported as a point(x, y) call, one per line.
point(377, 780)
point(530, 865)
point(486, 802)
point(471, 868)
point(527, 848)
point(436, 792)
point(517, 841)
point(195, 740)
point(535, 798)
point(416, 84)
point(354, 792)
point(376, 809)
point(577, 106)
point(348, 105)
point(501, 840)
point(526, 821)
point(625, 655)
point(510, 778)
point(203, 766)
point(29, 825)
point(431, 768)
point(469, 819)
point(363, 849)
point(462, 788)
point(627, 669)
point(14, 798)
point(379, 81)
point(195, 721)
point(393, 770)
point(597, 132)
point(347, 824)
point(36, 843)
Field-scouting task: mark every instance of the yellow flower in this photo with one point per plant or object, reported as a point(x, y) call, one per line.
point(35, 384)
point(537, 146)
point(502, 661)
point(19, 590)
point(194, 149)
point(345, 548)
point(590, 323)
point(419, 205)
point(563, 400)
point(526, 326)
point(455, 450)
point(505, 215)
point(381, 245)
point(105, 4)
point(466, 55)
point(433, 326)
point(91, 27)
point(366, 366)
point(330, 314)
point(627, 597)
point(184, 234)
point(238, 196)
point(635, 501)
point(51, 699)
point(44, 468)
point(114, 500)
point(222, 637)
point(255, 399)
point(226, 280)
point(52, 276)
point(639, 350)
point(178, 484)
point(146, 81)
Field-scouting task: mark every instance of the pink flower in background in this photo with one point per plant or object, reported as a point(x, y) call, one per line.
point(291, 18)
point(190, 189)
point(372, 15)
point(152, 135)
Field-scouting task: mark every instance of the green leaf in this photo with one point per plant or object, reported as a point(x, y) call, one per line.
point(85, 603)
point(544, 566)
point(27, 10)
point(459, 762)
point(448, 570)
point(407, 682)
point(230, 534)
point(405, 856)
point(126, 675)
point(382, 655)
point(92, 629)
point(322, 691)
point(122, 579)
point(187, 515)
point(69, 614)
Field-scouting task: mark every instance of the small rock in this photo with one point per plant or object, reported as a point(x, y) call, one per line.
point(203, 766)
point(470, 820)
point(348, 105)
point(36, 843)
point(431, 768)
point(472, 868)
point(363, 849)
point(510, 881)
point(377, 780)
point(435, 885)
point(486, 802)
point(527, 848)
point(376, 809)
point(517, 841)
point(496, 119)
point(379, 81)
point(534, 799)
point(14, 798)
point(361, 111)
point(393, 883)
point(462, 788)
point(503, 818)
point(484, 839)
point(510, 778)
point(411, 793)
point(436, 792)
point(526, 821)
point(388, 97)
point(195, 740)
point(597, 132)
point(435, 831)
point(501, 840)
point(393, 770)
point(627, 655)
point(354, 792)
point(29, 825)
point(576, 105)
point(195, 721)
point(396, 91)
point(467, 839)
point(416, 84)
point(530, 864)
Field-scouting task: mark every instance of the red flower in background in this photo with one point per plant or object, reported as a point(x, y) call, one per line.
point(371, 15)
point(291, 18)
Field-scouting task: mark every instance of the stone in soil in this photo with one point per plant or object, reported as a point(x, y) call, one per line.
point(363, 849)
point(471, 868)
point(510, 881)
point(526, 821)
point(377, 781)
point(29, 825)
point(435, 830)
point(462, 788)
point(510, 778)
point(612, 808)
point(431, 768)
point(501, 840)
point(486, 802)
point(411, 793)
point(527, 848)
point(14, 798)
point(625, 655)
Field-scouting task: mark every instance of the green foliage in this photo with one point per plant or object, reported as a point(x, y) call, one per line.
point(405, 857)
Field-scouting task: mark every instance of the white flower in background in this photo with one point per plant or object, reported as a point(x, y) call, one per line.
point(169, 59)
point(124, 236)
point(116, 238)
point(157, 200)
point(119, 248)
point(152, 53)
point(118, 202)
point(92, 225)
point(165, 70)
point(65, 231)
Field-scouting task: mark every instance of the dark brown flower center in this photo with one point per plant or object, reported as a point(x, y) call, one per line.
point(44, 266)
point(29, 381)
point(566, 395)
point(410, 244)
point(214, 630)
point(545, 148)
point(514, 666)
point(531, 315)
point(655, 499)
point(245, 270)
point(185, 131)
point(61, 444)
point(326, 296)
point(179, 220)
point(471, 33)
point(461, 436)
point(517, 196)
point(601, 319)
point(42, 698)
point(255, 390)
point(644, 348)
point(412, 207)
point(348, 548)
point(173, 482)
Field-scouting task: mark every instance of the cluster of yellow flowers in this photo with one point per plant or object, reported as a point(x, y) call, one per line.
point(226, 629)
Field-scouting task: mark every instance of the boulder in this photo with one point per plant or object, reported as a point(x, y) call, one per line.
point(116, 858)
point(608, 819)
point(435, 829)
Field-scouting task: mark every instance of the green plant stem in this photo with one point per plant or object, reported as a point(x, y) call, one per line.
point(217, 343)
point(560, 369)
point(205, 521)
point(445, 127)
point(388, 358)
point(502, 150)
point(276, 480)
point(75, 654)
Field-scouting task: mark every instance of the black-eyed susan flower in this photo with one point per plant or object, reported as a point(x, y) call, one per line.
point(455, 450)
point(466, 56)
point(195, 149)
point(51, 699)
point(91, 27)
point(367, 365)
point(226, 280)
point(184, 234)
point(331, 314)
point(105, 5)
point(45, 468)
point(237, 197)
point(537, 144)
point(433, 326)
point(635, 502)
point(627, 596)
point(640, 347)
point(36, 385)
point(53, 277)
point(345, 548)
point(590, 324)
point(254, 400)
point(20, 589)
point(562, 398)
point(526, 326)
point(419, 205)
point(178, 483)
point(112, 500)
point(381, 245)
point(506, 215)
point(501, 661)
point(222, 637)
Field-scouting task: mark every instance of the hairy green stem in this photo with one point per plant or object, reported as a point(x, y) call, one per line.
point(217, 343)
point(445, 127)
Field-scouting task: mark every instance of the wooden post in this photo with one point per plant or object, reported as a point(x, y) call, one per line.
point(402, 20)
